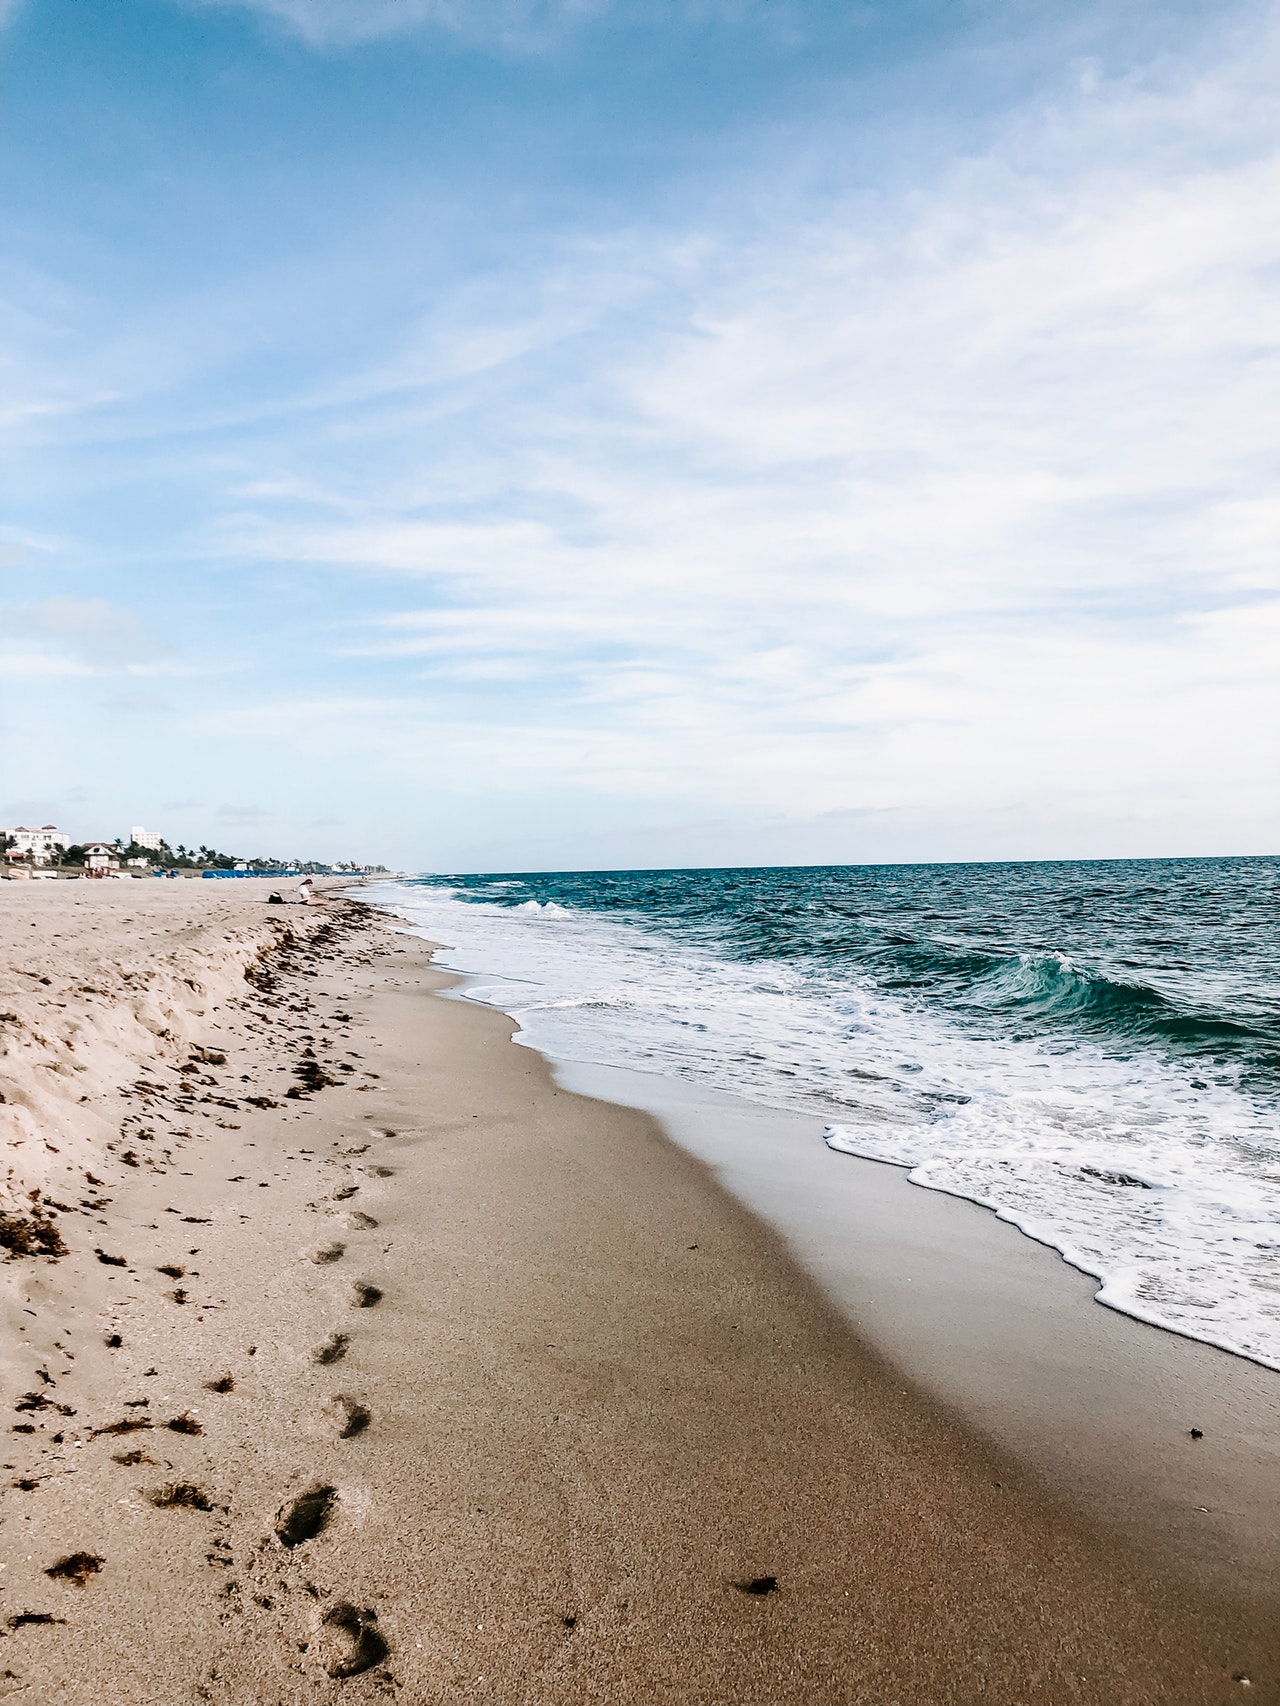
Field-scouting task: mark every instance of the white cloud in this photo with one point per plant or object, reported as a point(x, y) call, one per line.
point(78, 636)
point(957, 500)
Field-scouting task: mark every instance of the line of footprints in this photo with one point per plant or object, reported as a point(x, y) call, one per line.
point(351, 1631)
point(306, 1516)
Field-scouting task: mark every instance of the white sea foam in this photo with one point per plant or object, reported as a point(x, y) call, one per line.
point(1164, 1187)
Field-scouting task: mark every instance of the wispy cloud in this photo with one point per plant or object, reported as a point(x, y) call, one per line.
point(519, 25)
point(80, 635)
point(244, 814)
point(889, 474)
point(139, 705)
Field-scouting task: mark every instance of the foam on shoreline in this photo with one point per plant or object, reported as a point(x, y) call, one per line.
point(1155, 1179)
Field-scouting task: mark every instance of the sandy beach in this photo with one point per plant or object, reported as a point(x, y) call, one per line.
point(348, 1355)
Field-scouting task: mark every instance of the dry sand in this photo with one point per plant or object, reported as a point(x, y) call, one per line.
point(483, 1391)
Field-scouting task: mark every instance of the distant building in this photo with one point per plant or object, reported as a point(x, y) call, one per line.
point(148, 838)
point(101, 857)
point(43, 844)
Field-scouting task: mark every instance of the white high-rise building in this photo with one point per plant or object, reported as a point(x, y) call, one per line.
point(148, 838)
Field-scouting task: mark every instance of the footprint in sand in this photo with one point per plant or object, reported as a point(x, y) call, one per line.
point(329, 1253)
point(333, 1349)
point(355, 1416)
point(364, 1295)
point(365, 1647)
point(358, 1221)
point(307, 1515)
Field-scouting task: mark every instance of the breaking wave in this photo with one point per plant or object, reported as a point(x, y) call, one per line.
point(1092, 1051)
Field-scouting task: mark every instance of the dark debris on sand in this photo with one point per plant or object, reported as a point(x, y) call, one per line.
point(129, 1425)
point(32, 1234)
point(181, 1495)
point(77, 1567)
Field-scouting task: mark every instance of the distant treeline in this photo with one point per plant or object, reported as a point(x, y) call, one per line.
point(203, 858)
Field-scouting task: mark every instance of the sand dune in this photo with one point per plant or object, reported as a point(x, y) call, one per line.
point(100, 982)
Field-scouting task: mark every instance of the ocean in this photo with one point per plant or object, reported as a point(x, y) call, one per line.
point(1090, 1049)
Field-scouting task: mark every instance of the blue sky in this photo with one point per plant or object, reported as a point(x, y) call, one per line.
point(617, 432)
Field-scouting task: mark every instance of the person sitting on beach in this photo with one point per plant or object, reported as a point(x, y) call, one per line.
point(306, 892)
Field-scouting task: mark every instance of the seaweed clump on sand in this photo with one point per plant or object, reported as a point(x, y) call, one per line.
point(311, 1076)
point(77, 1568)
point(181, 1495)
point(33, 1233)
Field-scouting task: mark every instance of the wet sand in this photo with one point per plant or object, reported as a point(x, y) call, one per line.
point(1159, 1438)
point(485, 1391)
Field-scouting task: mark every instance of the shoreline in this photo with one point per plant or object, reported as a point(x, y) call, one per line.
point(964, 1304)
point(494, 1387)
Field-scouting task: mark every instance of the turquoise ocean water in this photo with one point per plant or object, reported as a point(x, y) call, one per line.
point(1090, 1049)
